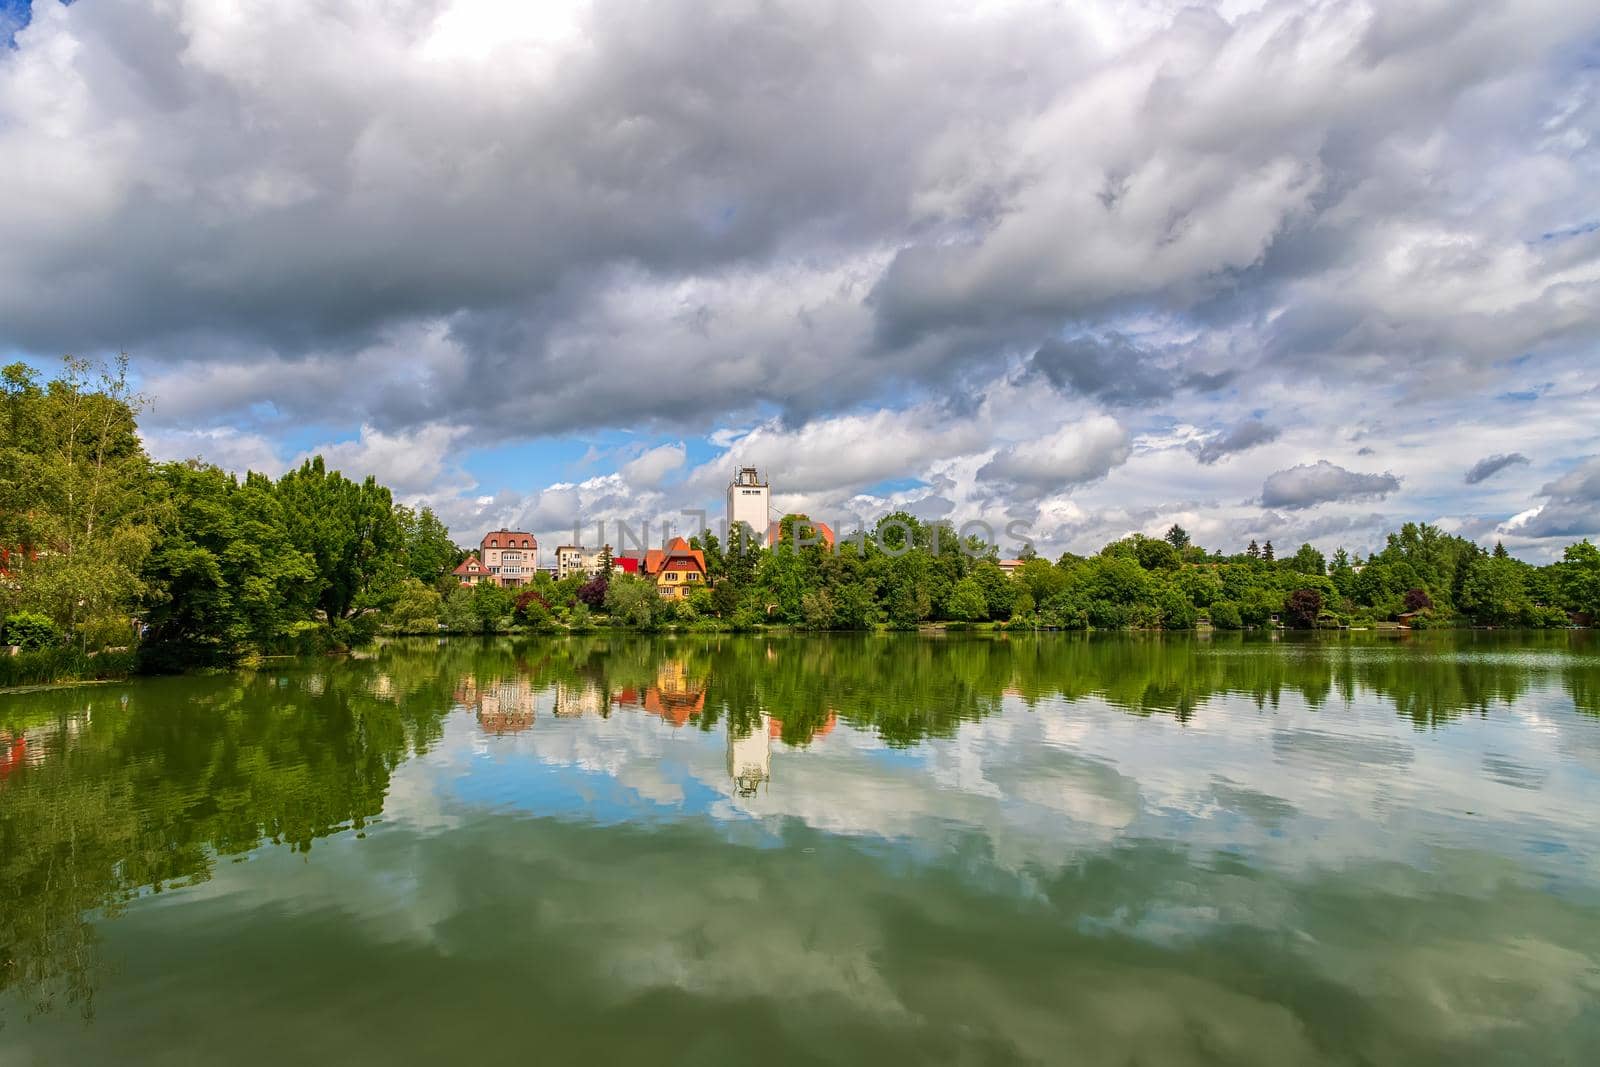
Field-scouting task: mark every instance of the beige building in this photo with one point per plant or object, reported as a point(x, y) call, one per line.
point(575, 559)
point(511, 556)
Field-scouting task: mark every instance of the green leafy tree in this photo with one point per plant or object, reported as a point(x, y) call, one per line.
point(225, 578)
point(967, 602)
point(1578, 579)
point(633, 601)
point(425, 546)
point(417, 608)
point(1494, 592)
point(350, 532)
point(1307, 560)
point(1177, 537)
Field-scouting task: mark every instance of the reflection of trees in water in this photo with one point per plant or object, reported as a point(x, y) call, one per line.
point(147, 795)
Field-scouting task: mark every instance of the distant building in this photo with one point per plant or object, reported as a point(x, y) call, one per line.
point(1010, 566)
point(575, 559)
point(512, 556)
point(749, 501)
point(472, 571)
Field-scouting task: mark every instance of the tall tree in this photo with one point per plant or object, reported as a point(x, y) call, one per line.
point(1178, 537)
point(350, 532)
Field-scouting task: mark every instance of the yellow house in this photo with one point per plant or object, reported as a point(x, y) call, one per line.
point(676, 569)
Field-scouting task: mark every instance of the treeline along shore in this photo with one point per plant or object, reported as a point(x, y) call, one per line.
point(111, 563)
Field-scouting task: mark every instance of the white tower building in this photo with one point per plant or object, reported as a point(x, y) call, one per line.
point(749, 502)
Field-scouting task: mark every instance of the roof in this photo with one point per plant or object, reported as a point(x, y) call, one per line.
point(512, 539)
point(824, 531)
point(470, 565)
point(629, 564)
point(656, 560)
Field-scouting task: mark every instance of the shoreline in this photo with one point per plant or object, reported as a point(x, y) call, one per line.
point(936, 629)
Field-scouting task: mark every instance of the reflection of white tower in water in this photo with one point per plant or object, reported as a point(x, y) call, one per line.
point(750, 757)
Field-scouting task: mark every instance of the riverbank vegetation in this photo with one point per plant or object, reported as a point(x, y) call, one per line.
point(110, 562)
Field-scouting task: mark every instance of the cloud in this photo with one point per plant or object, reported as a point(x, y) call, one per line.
point(1321, 482)
point(1571, 508)
point(820, 235)
point(1491, 465)
point(651, 466)
point(1244, 435)
point(1077, 453)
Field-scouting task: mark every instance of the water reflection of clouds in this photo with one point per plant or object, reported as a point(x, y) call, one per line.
point(1293, 786)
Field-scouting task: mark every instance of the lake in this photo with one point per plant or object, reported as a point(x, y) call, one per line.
point(1362, 848)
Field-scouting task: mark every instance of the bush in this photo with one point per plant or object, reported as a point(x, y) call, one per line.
point(30, 631)
point(1225, 616)
point(1300, 611)
point(62, 664)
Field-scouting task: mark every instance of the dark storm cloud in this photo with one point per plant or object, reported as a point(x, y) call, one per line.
point(783, 205)
point(1322, 482)
point(1572, 505)
point(1116, 370)
point(1245, 435)
point(1489, 466)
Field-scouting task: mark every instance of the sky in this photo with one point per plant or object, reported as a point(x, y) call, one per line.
point(1297, 271)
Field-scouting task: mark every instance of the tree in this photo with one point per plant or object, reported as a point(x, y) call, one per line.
point(350, 532)
point(1266, 552)
point(417, 608)
point(225, 577)
point(74, 483)
point(1500, 550)
point(633, 601)
point(593, 592)
point(1177, 537)
point(967, 602)
point(1493, 592)
point(607, 562)
point(999, 591)
point(1578, 580)
point(1157, 555)
point(1253, 551)
point(492, 606)
point(816, 609)
point(1307, 560)
point(425, 544)
point(725, 598)
point(1301, 609)
point(1418, 600)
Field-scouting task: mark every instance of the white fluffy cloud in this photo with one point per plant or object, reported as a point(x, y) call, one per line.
point(1075, 454)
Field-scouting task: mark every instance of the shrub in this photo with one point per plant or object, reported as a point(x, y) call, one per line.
point(1225, 616)
point(1300, 611)
point(30, 631)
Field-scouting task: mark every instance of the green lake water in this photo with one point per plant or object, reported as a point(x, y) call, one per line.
point(1358, 849)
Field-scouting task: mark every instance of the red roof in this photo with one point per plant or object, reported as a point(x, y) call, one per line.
point(627, 564)
point(677, 553)
point(824, 531)
point(470, 565)
point(508, 539)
